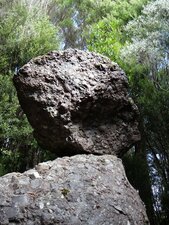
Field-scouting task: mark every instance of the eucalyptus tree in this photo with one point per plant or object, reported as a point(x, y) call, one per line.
point(75, 17)
point(149, 40)
point(107, 36)
point(148, 48)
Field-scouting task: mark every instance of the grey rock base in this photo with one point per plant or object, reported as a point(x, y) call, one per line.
point(78, 190)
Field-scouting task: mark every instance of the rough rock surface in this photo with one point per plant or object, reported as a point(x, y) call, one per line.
point(77, 190)
point(78, 102)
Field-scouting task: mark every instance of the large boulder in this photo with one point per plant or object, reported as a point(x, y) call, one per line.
point(78, 102)
point(77, 190)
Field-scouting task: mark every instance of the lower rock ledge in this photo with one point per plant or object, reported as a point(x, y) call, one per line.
point(77, 190)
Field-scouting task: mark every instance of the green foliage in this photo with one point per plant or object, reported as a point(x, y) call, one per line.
point(107, 36)
point(25, 32)
point(154, 109)
point(75, 17)
point(149, 45)
point(15, 131)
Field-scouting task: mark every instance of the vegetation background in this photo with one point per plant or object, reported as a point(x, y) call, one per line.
point(135, 34)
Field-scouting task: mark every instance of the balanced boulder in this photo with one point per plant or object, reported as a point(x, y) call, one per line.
point(78, 102)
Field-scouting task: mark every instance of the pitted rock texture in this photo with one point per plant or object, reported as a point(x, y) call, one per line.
point(77, 190)
point(78, 102)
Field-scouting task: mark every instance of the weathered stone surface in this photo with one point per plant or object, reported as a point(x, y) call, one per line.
point(78, 102)
point(77, 190)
